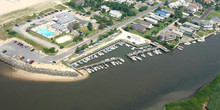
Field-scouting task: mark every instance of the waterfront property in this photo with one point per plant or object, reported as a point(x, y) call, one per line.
point(191, 26)
point(168, 36)
point(186, 30)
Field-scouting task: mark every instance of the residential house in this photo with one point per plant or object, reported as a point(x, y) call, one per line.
point(59, 27)
point(191, 26)
point(105, 7)
point(185, 15)
point(191, 9)
point(168, 36)
point(161, 13)
point(156, 17)
point(115, 13)
point(176, 4)
point(215, 20)
point(186, 30)
point(138, 28)
point(206, 24)
point(177, 32)
point(79, 2)
point(150, 20)
point(150, 2)
point(146, 24)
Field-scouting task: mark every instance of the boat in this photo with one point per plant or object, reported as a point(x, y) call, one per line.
point(143, 55)
point(132, 48)
point(187, 43)
point(180, 48)
point(156, 52)
point(159, 51)
point(201, 40)
point(150, 54)
point(122, 60)
point(193, 42)
point(133, 58)
point(139, 58)
point(113, 63)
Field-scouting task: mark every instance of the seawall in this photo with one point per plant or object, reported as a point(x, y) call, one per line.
point(27, 67)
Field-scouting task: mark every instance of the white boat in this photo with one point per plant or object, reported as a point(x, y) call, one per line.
point(180, 48)
point(143, 55)
point(132, 48)
point(156, 52)
point(139, 58)
point(133, 58)
point(88, 70)
point(193, 42)
point(201, 40)
point(122, 60)
point(113, 63)
point(159, 51)
point(150, 54)
point(187, 43)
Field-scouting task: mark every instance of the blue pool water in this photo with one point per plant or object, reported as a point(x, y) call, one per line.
point(44, 31)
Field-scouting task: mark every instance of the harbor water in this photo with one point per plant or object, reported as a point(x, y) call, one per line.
point(142, 85)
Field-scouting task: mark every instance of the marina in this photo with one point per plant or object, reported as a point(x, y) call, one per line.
point(114, 61)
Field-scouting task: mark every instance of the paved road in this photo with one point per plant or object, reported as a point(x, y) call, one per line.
point(206, 13)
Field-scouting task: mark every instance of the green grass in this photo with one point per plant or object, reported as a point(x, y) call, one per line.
point(202, 96)
point(213, 13)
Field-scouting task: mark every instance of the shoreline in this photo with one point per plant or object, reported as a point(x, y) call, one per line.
point(19, 74)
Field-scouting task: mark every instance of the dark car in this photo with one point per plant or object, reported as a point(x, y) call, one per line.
point(32, 50)
point(4, 51)
point(16, 25)
point(28, 20)
point(54, 61)
point(15, 41)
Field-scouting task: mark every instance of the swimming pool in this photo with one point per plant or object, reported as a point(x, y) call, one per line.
point(44, 31)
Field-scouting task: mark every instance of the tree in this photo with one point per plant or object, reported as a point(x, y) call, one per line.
point(143, 8)
point(103, 10)
point(178, 14)
point(176, 24)
point(76, 26)
point(131, 13)
point(159, 8)
point(77, 49)
point(90, 27)
point(190, 14)
point(127, 28)
point(102, 26)
point(166, 3)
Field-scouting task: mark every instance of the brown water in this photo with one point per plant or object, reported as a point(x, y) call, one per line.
point(144, 85)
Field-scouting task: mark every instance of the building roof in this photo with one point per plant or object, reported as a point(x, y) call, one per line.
point(150, 20)
point(79, 2)
point(144, 23)
point(161, 12)
point(115, 12)
point(59, 27)
point(215, 18)
point(191, 25)
point(138, 27)
point(168, 36)
point(65, 18)
point(186, 29)
point(105, 7)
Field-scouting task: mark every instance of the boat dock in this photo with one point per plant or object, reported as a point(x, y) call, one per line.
point(114, 61)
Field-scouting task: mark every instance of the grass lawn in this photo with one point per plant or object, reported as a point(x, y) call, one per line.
point(136, 21)
point(200, 34)
point(89, 33)
point(213, 13)
point(209, 93)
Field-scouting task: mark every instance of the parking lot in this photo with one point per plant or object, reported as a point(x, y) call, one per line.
point(16, 49)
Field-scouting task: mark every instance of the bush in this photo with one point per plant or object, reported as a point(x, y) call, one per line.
point(49, 50)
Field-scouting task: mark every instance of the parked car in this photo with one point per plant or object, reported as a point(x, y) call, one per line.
point(32, 50)
point(30, 61)
point(54, 61)
point(15, 41)
point(19, 44)
point(4, 51)
point(21, 57)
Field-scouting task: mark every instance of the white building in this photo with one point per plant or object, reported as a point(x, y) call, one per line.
point(120, 1)
point(115, 13)
point(150, 20)
point(186, 30)
point(215, 20)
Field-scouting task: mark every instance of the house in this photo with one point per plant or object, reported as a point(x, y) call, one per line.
point(138, 28)
point(215, 20)
point(185, 15)
point(115, 13)
point(150, 20)
point(191, 26)
point(186, 30)
point(168, 36)
point(199, 5)
point(167, 11)
point(146, 24)
point(161, 13)
point(64, 18)
point(105, 7)
point(207, 1)
point(176, 4)
point(156, 17)
point(79, 2)
point(150, 2)
point(177, 32)
point(206, 24)
point(191, 9)
point(139, 5)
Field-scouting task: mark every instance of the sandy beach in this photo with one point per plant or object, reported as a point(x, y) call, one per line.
point(13, 5)
point(27, 76)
